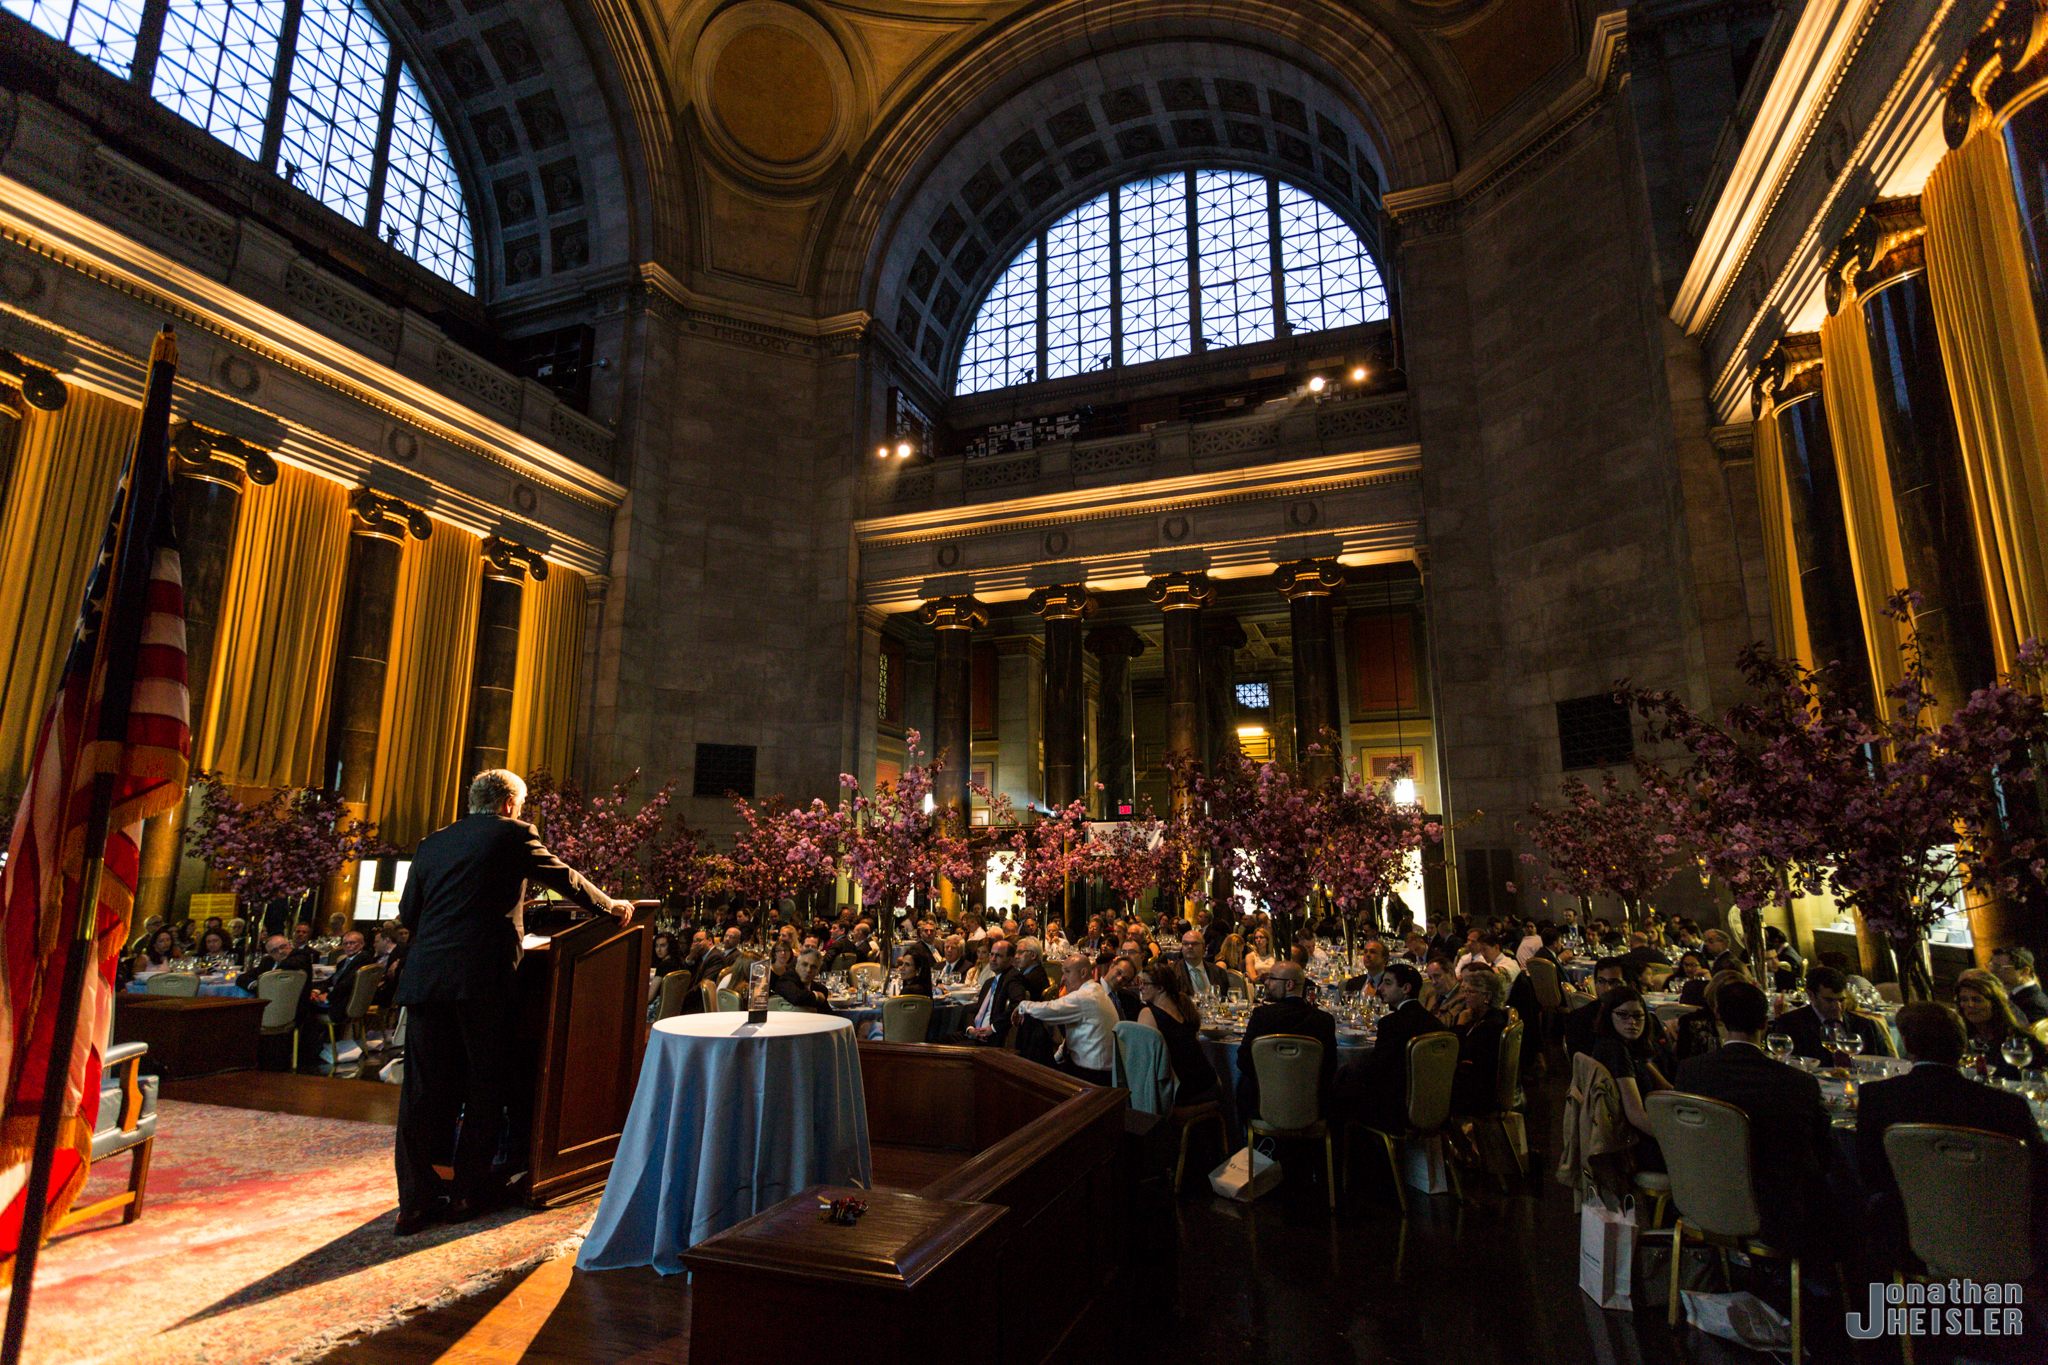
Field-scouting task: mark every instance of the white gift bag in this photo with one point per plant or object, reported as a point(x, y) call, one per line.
point(1607, 1252)
point(1248, 1174)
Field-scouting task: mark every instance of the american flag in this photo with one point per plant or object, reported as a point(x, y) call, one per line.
point(118, 725)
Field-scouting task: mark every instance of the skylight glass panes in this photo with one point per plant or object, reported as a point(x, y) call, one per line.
point(1234, 257)
point(1327, 278)
point(1077, 291)
point(422, 198)
point(1153, 230)
point(337, 95)
point(216, 66)
point(103, 30)
point(1003, 348)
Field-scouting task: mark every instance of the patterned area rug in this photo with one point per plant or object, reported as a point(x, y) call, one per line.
point(266, 1238)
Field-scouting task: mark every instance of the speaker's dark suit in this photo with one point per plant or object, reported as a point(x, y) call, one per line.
point(1790, 1151)
point(466, 884)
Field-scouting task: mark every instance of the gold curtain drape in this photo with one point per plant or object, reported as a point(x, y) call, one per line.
point(1856, 428)
point(544, 689)
point(1977, 277)
point(66, 467)
point(1781, 555)
point(418, 783)
point(266, 705)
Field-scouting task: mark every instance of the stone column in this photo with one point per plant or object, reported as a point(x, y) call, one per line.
point(1114, 647)
point(1222, 637)
point(1065, 696)
point(1020, 675)
point(1308, 585)
point(953, 621)
point(355, 698)
point(1180, 598)
point(505, 566)
point(209, 470)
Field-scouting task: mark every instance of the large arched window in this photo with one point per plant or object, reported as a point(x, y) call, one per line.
point(1141, 273)
point(310, 89)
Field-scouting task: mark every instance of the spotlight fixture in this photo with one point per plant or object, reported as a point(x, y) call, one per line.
point(1315, 385)
point(882, 452)
point(1358, 374)
point(903, 450)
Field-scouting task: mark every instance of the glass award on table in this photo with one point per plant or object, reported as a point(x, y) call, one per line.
point(757, 993)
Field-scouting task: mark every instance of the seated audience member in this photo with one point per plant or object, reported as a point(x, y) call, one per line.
point(333, 998)
point(391, 957)
point(1000, 992)
point(1700, 1031)
point(302, 936)
point(1119, 976)
point(1259, 959)
point(213, 945)
point(1441, 994)
point(666, 958)
point(1934, 1091)
point(1374, 1088)
point(1030, 958)
point(721, 956)
point(1286, 1010)
point(1989, 1017)
point(1373, 958)
point(1204, 980)
point(1092, 941)
point(954, 966)
point(157, 952)
point(859, 945)
point(1622, 1032)
point(1530, 942)
point(1827, 995)
point(1084, 1012)
point(2014, 968)
point(914, 968)
point(1691, 979)
point(792, 976)
point(279, 956)
point(1415, 949)
point(1165, 1006)
point(980, 950)
point(1578, 1025)
point(1779, 950)
point(1230, 952)
point(1476, 1088)
point(1790, 1149)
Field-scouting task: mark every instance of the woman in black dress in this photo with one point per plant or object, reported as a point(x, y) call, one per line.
point(1622, 1033)
point(1172, 1012)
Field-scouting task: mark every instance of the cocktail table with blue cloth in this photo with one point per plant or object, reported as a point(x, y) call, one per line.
point(729, 1118)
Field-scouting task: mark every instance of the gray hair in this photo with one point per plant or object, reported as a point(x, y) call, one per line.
point(1029, 945)
point(491, 789)
point(1492, 982)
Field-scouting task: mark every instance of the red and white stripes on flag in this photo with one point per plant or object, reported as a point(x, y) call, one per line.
point(120, 712)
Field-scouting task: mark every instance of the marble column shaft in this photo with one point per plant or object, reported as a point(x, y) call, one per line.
point(954, 621)
point(1308, 585)
point(1065, 692)
point(1114, 647)
point(1180, 598)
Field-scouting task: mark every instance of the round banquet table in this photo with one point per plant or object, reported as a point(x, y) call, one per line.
point(728, 1119)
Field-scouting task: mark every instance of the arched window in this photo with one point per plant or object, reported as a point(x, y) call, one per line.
point(310, 89)
point(1142, 272)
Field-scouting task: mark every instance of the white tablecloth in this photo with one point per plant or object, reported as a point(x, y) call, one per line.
point(729, 1118)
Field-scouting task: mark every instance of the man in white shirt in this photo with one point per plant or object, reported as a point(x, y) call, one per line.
point(1088, 1017)
point(1527, 948)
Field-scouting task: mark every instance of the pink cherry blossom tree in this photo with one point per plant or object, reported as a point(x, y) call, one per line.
point(894, 847)
point(284, 848)
point(605, 837)
point(1604, 844)
point(1364, 838)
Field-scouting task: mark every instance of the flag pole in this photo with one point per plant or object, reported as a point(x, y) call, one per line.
point(57, 1076)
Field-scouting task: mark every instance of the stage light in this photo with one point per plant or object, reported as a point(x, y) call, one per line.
point(1316, 385)
point(1358, 374)
point(1250, 731)
point(903, 450)
point(882, 452)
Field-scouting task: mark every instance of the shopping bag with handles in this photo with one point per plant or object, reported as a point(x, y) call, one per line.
point(1248, 1174)
point(1607, 1252)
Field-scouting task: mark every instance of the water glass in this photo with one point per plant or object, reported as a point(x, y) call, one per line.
point(2015, 1051)
point(1779, 1045)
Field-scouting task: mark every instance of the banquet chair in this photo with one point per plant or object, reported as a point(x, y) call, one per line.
point(172, 983)
point(868, 975)
point(281, 991)
point(350, 1024)
point(1144, 1067)
point(1234, 981)
point(728, 1001)
point(1669, 1013)
point(1290, 1072)
point(1432, 1066)
point(1707, 1155)
point(675, 991)
point(1968, 1200)
point(906, 1018)
point(845, 962)
point(127, 1123)
point(1501, 1131)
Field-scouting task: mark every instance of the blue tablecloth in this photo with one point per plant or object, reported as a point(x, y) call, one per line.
point(729, 1119)
point(222, 988)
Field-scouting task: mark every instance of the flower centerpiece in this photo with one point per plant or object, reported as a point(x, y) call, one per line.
point(278, 851)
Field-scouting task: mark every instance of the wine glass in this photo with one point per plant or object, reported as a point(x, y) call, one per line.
point(1779, 1045)
point(2015, 1051)
point(1852, 1043)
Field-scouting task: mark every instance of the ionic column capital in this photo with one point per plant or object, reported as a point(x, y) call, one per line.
point(953, 613)
point(1181, 591)
point(1308, 578)
point(1063, 602)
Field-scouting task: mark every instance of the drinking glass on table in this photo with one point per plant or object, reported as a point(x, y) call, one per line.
point(1779, 1045)
point(1852, 1043)
point(2015, 1051)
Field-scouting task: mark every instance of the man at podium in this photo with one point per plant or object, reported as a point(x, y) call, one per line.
point(462, 904)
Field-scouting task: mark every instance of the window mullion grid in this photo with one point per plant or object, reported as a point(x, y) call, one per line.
point(149, 42)
point(1042, 371)
point(1116, 280)
point(1197, 343)
point(280, 84)
point(380, 160)
point(1273, 242)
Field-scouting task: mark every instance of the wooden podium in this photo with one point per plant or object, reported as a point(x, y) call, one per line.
point(582, 1030)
